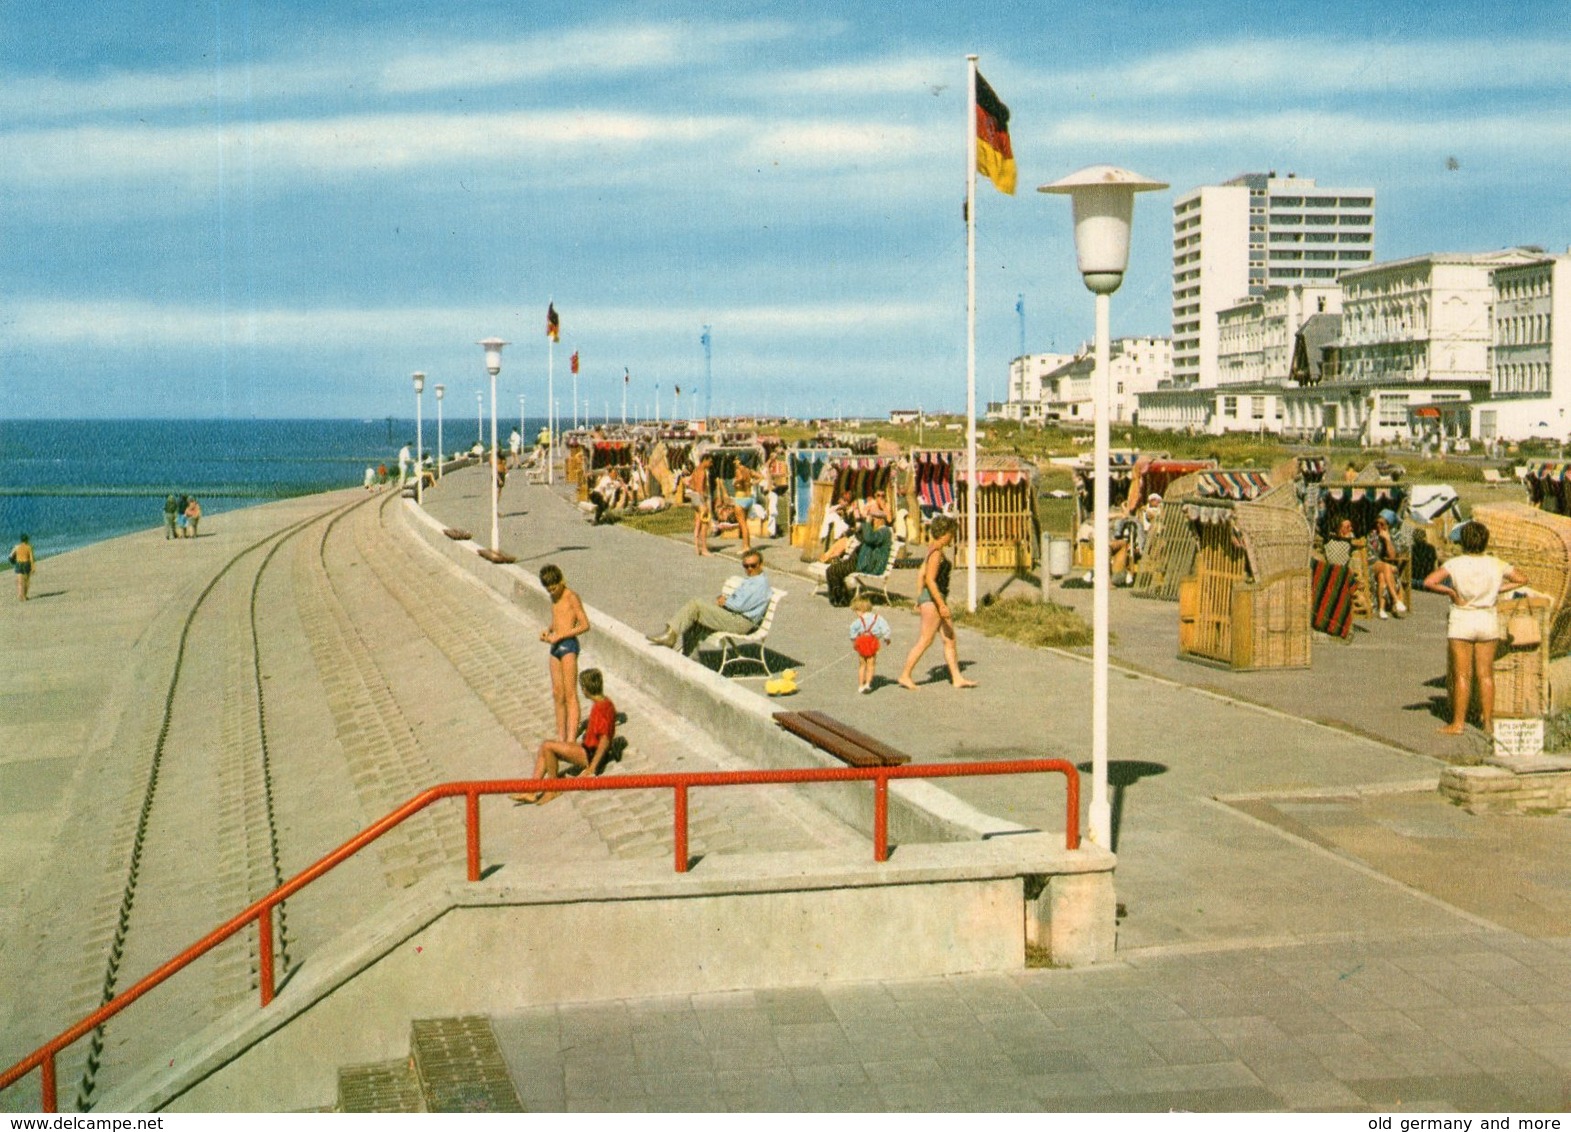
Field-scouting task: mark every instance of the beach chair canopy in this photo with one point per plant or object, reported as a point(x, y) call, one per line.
point(933, 471)
point(1547, 490)
point(1360, 502)
point(1240, 485)
point(610, 454)
point(865, 477)
point(997, 471)
point(804, 466)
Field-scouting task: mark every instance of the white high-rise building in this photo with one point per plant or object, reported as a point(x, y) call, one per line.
point(1255, 232)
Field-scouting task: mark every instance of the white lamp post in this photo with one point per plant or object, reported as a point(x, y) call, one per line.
point(493, 366)
point(419, 438)
point(441, 390)
point(480, 419)
point(1103, 198)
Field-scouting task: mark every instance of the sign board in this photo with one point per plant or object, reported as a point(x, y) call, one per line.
point(1519, 738)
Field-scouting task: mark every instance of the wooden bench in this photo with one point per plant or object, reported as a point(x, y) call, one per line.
point(842, 741)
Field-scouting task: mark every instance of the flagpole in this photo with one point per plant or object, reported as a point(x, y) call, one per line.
point(550, 408)
point(575, 400)
point(971, 334)
point(626, 377)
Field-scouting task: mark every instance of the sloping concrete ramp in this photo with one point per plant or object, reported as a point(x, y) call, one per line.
point(629, 929)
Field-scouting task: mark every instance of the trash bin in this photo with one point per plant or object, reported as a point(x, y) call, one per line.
point(1058, 555)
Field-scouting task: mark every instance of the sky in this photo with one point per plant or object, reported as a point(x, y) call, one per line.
point(281, 209)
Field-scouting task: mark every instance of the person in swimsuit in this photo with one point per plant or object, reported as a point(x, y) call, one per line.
point(1472, 580)
point(590, 752)
point(932, 603)
point(698, 496)
point(22, 562)
point(568, 623)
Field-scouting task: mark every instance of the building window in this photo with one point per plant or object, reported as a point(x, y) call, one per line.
point(1230, 406)
point(1257, 408)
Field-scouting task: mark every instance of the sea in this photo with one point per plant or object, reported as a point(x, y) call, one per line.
point(69, 483)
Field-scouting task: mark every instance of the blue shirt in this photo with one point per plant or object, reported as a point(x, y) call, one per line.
point(751, 598)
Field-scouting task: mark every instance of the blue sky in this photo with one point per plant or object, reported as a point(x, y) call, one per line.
point(277, 209)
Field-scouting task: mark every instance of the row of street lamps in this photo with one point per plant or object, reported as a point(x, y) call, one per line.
point(493, 366)
point(1102, 199)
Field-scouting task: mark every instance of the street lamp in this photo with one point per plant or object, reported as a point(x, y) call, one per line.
point(480, 419)
point(1103, 199)
point(419, 438)
point(493, 366)
point(440, 391)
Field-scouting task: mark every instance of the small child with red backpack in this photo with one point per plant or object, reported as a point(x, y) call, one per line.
point(868, 633)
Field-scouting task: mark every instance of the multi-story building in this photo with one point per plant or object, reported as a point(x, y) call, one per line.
point(1025, 386)
point(1255, 337)
point(1257, 231)
point(1529, 363)
point(1135, 366)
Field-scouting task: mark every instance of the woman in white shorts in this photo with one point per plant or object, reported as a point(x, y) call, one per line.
point(1472, 581)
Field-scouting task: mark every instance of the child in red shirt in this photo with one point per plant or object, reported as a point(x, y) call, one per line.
point(590, 752)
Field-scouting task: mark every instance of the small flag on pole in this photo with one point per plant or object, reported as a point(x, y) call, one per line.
point(626, 377)
point(995, 159)
point(553, 324)
point(575, 361)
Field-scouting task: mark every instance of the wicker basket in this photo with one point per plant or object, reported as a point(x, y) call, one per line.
point(1538, 544)
point(1522, 674)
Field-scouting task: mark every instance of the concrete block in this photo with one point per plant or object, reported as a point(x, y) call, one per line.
point(1074, 918)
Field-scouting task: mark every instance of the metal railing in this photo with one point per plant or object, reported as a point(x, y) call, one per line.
point(261, 912)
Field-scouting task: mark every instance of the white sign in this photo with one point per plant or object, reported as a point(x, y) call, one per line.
point(1519, 738)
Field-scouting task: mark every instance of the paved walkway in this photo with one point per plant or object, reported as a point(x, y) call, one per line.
point(1304, 923)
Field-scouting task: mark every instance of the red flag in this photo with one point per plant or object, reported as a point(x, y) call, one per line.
point(553, 325)
point(575, 361)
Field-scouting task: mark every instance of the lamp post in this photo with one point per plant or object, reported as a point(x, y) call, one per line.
point(480, 419)
point(1103, 200)
point(493, 366)
point(419, 379)
point(441, 390)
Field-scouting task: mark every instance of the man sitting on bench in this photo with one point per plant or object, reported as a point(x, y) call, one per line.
point(739, 613)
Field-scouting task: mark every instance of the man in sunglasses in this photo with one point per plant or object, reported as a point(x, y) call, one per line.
point(739, 613)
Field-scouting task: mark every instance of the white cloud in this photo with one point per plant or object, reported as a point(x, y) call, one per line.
point(128, 324)
point(1319, 67)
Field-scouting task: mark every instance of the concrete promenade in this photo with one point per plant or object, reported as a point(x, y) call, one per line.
point(1304, 923)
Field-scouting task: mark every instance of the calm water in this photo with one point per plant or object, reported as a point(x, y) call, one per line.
point(70, 483)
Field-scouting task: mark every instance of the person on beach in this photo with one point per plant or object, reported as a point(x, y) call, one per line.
point(698, 496)
point(589, 752)
point(181, 522)
point(869, 632)
point(171, 514)
point(568, 623)
point(499, 469)
point(22, 561)
point(932, 603)
point(515, 444)
point(1389, 546)
point(1472, 581)
point(739, 613)
point(405, 459)
point(193, 516)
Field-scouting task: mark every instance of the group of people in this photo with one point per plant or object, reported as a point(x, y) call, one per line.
point(1389, 545)
point(590, 750)
point(182, 516)
point(752, 497)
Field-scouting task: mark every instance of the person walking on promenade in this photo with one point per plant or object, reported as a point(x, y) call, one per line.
point(193, 516)
point(932, 603)
point(515, 442)
point(22, 561)
point(171, 512)
point(739, 613)
point(869, 632)
point(1472, 581)
point(180, 520)
point(589, 753)
point(405, 459)
point(698, 496)
point(568, 623)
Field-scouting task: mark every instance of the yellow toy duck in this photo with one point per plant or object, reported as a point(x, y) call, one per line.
point(782, 685)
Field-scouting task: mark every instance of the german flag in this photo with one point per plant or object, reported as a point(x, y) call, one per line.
point(553, 325)
point(995, 160)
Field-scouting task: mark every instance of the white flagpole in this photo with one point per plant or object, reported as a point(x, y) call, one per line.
point(550, 406)
point(971, 335)
point(575, 401)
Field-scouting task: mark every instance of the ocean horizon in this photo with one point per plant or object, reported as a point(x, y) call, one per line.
point(68, 483)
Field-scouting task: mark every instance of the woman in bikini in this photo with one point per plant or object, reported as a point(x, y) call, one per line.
point(932, 603)
point(568, 623)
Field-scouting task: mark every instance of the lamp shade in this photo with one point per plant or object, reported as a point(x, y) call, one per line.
point(419, 382)
point(493, 354)
point(440, 390)
point(1103, 198)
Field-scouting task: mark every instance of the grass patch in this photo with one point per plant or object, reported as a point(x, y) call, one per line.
point(1038, 624)
point(674, 520)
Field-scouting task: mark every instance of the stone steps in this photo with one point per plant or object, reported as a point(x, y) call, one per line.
point(454, 1065)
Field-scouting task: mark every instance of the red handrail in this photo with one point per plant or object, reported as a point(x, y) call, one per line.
point(43, 1058)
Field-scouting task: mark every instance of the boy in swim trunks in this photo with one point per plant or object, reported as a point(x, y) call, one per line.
point(568, 623)
point(590, 753)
